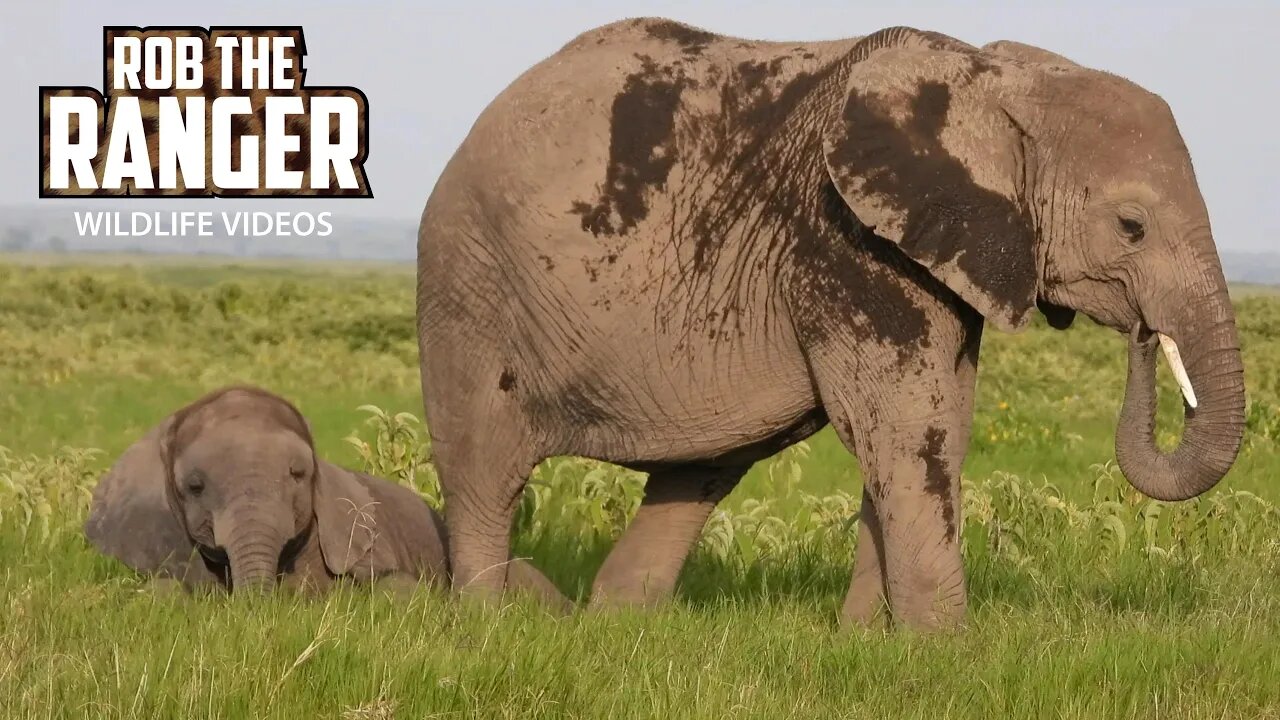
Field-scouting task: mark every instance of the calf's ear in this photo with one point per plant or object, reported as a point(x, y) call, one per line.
point(347, 522)
point(133, 518)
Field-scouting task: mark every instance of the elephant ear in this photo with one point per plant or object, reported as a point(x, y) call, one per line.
point(347, 522)
point(131, 517)
point(925, 149)
point(1059, 317)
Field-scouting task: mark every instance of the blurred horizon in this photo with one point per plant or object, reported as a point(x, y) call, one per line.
point(429, 71)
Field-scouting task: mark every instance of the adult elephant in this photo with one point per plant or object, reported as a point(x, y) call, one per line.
point(681, 252)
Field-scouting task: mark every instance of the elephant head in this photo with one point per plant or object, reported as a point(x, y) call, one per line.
point(1019, 178)
point(235, 477)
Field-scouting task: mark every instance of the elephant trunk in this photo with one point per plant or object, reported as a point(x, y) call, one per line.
point(1213, 429)
point(253, 547)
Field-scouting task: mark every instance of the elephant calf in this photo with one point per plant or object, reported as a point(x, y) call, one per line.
point(228, 492)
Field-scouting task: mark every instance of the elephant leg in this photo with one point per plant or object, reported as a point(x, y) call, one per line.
point(483, 469)
point(479, 519)
point(866, 602)
point(916, 494)
point(644, 565)
point(908, 424)
point(912, 486)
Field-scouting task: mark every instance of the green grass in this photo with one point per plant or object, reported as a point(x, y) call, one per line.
point(1087, 600)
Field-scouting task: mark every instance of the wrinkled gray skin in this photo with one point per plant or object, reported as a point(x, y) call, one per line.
point(681, 252)
point(228, 492)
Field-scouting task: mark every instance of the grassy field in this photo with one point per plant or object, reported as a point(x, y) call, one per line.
point(1087, 600)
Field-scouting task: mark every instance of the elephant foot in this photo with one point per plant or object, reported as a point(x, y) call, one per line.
point(864, 611)
point(866, 604)
point(524, 580)
point(618, 586)
point(931, 623)
point(930, 607)
point(619, 599)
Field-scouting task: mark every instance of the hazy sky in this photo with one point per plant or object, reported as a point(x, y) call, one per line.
point(429, 68)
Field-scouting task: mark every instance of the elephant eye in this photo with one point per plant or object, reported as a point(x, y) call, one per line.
point(297, 472)
point(1132, 229)
point(194, 484)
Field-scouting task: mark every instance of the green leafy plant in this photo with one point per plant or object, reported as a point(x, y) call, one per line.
point(43, 496)
point(398, 449)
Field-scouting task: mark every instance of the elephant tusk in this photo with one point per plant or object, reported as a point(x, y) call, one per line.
point(1179, 372)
